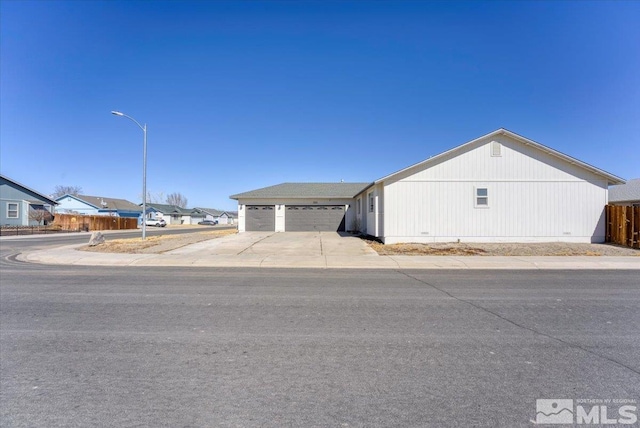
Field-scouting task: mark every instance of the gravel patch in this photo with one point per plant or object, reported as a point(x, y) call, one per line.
point(503, 249)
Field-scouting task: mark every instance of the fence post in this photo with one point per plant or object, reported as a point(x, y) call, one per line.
point(607, 222)
point(636, 229)
point(629, 227)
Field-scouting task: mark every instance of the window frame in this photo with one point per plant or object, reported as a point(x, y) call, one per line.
point(477, 196)
point(371, 202)
point(17, 210)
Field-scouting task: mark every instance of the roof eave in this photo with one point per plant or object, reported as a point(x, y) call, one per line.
point(611, 179)
point(69, 195)
point(29, 189)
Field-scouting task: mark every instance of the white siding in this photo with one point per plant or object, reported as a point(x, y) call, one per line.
point(363, 212)
point(350, 217)
point(517, 162)
point(374, 219)
point(241, 218)
point(280, 218)
point(533, 196)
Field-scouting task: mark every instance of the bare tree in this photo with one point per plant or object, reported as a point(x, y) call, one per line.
point(153, 197)
point(39, 215)
point(63, 190)
point(177, 199)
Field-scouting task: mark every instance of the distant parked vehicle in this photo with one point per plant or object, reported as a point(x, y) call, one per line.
point(208, 222)
point(157, 222)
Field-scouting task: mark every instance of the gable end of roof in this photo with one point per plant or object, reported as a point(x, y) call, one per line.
point(611, 179)
point(4, 177)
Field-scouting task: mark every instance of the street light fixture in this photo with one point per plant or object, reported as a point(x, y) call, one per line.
point(144, 171)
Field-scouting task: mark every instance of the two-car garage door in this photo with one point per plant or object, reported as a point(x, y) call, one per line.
point(303, 218)
point(297, 218)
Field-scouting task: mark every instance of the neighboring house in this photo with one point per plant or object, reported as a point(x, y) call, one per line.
point(18, 201)
point(231, 217)
point(626, 194)
point(195, 216)
point(222, 217)
point(501, 187)
point(97, 205)
point(174, 214)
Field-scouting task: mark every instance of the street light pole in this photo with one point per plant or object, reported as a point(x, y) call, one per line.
point(144, 172)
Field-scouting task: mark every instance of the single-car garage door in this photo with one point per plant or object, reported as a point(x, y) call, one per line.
point(260, 218)
point(304, 218)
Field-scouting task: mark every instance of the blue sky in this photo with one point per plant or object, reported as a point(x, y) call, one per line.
point(242, 95)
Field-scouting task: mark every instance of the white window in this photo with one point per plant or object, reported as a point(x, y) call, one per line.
point(12, 210)
point(370, 202)
point(359, 206)
point(482, 197)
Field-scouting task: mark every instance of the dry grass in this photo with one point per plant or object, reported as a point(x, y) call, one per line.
point(424, 250)
point(156, 244)
point(503, 249)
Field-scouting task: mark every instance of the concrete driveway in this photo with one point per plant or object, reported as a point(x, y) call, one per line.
point(300, 244)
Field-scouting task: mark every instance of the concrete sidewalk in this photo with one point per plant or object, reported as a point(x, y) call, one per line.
point(70, 255)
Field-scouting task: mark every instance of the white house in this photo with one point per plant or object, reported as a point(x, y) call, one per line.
point(174, 214)
point(500, 187)
point(222, 217)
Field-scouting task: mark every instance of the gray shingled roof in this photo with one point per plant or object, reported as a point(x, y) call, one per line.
point(111, 203)
point(216, 213)
point(625, 192)
point(211, 211)
point(38, 194)
point(305, 190)
point(169, 209)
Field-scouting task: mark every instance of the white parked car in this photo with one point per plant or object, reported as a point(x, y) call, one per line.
point(157, 222)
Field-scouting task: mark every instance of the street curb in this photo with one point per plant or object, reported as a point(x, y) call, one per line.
point(70, 255)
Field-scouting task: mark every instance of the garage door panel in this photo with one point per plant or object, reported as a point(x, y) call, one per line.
point(260, 218)
point(305, 218)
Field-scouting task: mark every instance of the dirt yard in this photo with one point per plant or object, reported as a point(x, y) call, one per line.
point(161, 244)
point(495, 249)
point(155, 244)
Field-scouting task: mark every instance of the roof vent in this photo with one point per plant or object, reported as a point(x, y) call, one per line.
point(496, 148)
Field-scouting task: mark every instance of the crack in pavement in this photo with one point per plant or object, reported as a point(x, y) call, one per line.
point(475, 305)
point(257, 242)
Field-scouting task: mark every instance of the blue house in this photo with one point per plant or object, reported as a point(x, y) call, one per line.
point(97, 205)
point(18, 204)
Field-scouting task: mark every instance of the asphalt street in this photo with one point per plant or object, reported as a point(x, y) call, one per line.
point(201, 347)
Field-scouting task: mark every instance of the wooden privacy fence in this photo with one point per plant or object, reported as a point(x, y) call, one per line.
point(93, 222)
point(623, 225)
